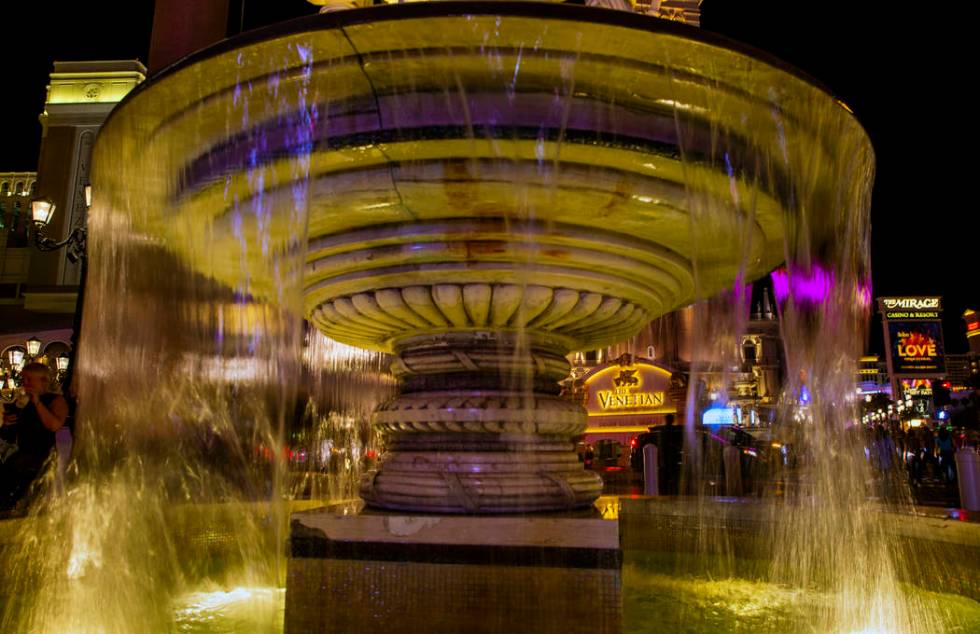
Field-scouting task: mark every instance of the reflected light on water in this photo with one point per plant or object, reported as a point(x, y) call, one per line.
point(241, 609)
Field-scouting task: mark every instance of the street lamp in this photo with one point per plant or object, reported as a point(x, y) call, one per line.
point(16, 358)
point(33, 346)
point(42, 210)
point(62, 361)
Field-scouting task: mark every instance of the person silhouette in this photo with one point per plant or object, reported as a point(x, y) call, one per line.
point(32, 428)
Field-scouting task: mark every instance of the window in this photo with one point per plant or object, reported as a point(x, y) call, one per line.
point(19, 189)
point(5, 189)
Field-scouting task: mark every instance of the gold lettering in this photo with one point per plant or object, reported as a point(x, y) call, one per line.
point(614, 399)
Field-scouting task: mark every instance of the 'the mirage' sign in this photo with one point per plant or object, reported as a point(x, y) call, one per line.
point(905, 308)
point(913, 303)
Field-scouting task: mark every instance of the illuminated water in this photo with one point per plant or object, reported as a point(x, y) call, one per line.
point(656, 602)
point(240, 609)
point(207, 404)
point(652, 602)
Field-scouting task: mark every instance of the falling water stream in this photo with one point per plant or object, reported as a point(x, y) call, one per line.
point(209, 408)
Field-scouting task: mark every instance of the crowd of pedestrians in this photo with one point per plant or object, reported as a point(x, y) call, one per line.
point(924, 453)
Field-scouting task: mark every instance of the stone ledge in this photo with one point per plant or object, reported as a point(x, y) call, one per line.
point(558, 541)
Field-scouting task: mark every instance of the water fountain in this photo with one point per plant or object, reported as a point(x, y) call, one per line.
point(476, 189)
point(482, 200)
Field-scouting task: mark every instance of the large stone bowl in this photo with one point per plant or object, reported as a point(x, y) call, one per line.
point(489, 186)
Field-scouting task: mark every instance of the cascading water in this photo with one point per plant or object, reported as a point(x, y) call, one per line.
point(182, 471)
point(478, 190)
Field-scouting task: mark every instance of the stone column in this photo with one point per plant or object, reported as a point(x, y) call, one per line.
point(181, 27)
point(479, 427)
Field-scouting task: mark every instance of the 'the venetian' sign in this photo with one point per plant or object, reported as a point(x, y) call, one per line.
point(634, 388)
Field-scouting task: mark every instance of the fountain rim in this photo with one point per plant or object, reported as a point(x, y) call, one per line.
point(513, 8)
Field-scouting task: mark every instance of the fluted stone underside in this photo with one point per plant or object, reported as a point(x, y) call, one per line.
point(479, 427)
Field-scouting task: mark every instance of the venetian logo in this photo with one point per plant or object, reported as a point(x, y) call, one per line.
point(627, 378)
point(626, 393)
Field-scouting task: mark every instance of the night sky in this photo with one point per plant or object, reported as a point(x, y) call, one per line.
point(904, 73)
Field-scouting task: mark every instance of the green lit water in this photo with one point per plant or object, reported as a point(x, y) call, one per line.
point(653, 602)
point(689, 604)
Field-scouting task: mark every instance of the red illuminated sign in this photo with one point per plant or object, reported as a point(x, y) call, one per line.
point(917, 347)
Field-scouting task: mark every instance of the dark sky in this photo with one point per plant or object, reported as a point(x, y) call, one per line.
point(904, 73)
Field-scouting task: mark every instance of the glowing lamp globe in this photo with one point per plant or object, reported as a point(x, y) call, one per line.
point(41, 211)
point(33, 346)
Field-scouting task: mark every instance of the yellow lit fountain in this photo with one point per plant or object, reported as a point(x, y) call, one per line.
point(485, 189)
point(476, 189)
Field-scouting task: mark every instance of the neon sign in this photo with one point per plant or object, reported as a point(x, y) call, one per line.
point(626, 393)
point(627, 389)
point(917, 347)
point(628, 400)
point(911, 307)
point(917, 303)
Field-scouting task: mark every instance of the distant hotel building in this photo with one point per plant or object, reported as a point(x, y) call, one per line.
point(634, 385)
point(16, 189)
point(872, 376)
point(914, 347)
point(38, 291)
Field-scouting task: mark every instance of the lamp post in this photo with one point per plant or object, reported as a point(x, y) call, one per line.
point(33, 346)
point(16, 358)
point(42, 210)
point(12, 365)
point(62, 362)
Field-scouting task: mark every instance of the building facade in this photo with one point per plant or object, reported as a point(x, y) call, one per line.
point(16, 189)
point(39, 290)
point(634, 385)
point(79, 98)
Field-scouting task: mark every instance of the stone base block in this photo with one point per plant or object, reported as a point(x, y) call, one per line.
point(419, 573)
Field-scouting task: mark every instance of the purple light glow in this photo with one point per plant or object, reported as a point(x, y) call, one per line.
point(811, 287)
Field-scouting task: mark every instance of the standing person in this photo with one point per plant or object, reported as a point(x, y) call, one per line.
point(913, 457)
point(946, 449)
point(882, 457)
point(928, 447)
point(33, 430)
point(671, 445)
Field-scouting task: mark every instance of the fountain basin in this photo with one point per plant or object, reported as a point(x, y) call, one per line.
point(506, 150)
point(478, 189)
point(687, 565)
point(637, 565)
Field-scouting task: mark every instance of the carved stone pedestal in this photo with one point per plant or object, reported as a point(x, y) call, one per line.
point(479, 427)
